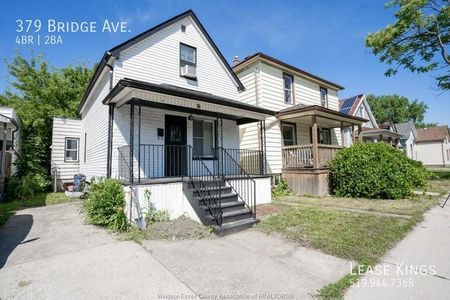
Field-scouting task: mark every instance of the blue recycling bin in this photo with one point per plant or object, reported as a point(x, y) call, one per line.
point(78, 180)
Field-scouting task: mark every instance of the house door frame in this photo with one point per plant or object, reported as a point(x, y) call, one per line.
point(175, 157)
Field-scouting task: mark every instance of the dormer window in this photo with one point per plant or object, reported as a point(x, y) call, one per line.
point(288, 91)
point(188, 61)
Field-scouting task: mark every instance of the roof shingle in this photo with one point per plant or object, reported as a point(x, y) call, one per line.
point(429, 134)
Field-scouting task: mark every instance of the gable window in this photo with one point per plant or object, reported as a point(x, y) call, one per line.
point(188, 61)
point(203, 137)
point(288, 91)
point(323, 97)
point(361, 111)
point(288, 134)
point(71, 149)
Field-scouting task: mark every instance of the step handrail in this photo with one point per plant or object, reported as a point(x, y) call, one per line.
point(246, 188)
point(198, 180)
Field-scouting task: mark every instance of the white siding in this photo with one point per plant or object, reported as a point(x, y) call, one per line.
point(62, 129)
point(157, 59)
point(95, 126)
point(151, 120)
point(433, 153)
point(270, 93)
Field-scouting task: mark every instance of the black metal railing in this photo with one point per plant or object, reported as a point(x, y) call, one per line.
point(237, 178)
point(206, 185)
point(251, 161)
point(124, 171)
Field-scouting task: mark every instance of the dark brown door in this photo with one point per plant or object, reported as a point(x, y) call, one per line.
point(175, 149)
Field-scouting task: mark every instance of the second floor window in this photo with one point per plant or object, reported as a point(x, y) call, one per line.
point(323, 97)
point(188, 61)
point(288, 92)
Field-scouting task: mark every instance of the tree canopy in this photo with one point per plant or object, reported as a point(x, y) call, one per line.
point(418, 40)
point(397, 109)
point(38, 92)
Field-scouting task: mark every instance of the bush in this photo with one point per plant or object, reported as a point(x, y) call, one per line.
point(282, 189)
point(105, 204)
point(26, 186)
point(375, 170)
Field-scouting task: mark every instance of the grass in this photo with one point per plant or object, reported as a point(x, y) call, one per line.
point(7, 209)
point(362, 230)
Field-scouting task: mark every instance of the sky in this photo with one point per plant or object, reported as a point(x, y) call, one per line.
point(325, 38)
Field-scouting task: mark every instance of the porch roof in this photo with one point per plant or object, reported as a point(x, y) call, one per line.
point(329, 117)
point(175, 98)
point(376, 132)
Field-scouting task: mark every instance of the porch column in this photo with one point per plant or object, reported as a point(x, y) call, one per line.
point(139, 143)
point(262, 146)
point(131, 141)
point(342, 134)
point(353, 134)
point(110, 141)
point(3, 158)
point(360, 134)
point(315, 145)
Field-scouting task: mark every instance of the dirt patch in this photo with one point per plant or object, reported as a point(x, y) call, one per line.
point(268, 209)
point(181, 228)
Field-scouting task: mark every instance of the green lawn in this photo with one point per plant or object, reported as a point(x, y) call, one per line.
point(7, 209)
point(362, 230)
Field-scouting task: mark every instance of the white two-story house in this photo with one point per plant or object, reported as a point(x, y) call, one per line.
point(307, 130)
point(162, 114)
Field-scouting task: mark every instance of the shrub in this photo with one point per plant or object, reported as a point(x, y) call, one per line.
point(282, 189)
point(26, 186)
point(105, 204)
point(375, 170)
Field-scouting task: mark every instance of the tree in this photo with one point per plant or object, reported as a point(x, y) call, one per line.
point(418, 40)
point(397, 109)
point(38, 93)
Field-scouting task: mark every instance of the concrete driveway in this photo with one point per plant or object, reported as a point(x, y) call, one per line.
point(48, 252)
point(417, 268)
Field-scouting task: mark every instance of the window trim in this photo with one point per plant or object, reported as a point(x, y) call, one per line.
point(214, 138)
point(321, 88)
point(294, 127)
point(77, 150)
point(292, 89)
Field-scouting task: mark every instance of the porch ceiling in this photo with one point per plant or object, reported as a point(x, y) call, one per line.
point(180, 99)
point(325, 117)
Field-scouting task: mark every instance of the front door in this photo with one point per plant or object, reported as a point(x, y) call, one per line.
point(175, 146)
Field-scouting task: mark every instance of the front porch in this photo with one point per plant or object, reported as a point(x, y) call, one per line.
point(183, 147)
point(316, 136)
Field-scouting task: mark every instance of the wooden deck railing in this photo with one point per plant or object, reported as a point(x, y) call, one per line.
point(301, 156)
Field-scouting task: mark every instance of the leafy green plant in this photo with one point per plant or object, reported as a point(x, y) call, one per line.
point(153, 215)
point(105, 204)
point(27, 186)
point(282, 189)
point(376, 171)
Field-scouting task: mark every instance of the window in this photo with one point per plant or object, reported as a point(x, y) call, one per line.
point(288, 92)
point(188, 55)
point(361, 111)
point(203, 137)
point(85, 146)
point(323, 97)
point(324, 136)
point(71, 149)
point(288, 134)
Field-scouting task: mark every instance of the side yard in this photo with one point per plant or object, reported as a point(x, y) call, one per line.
point(362, 230)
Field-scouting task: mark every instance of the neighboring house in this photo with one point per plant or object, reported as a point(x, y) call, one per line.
point(433, 146)
point(408, 138)
point(162, 114)
point(372, 132)
point(9, 143)
point(305, 133)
